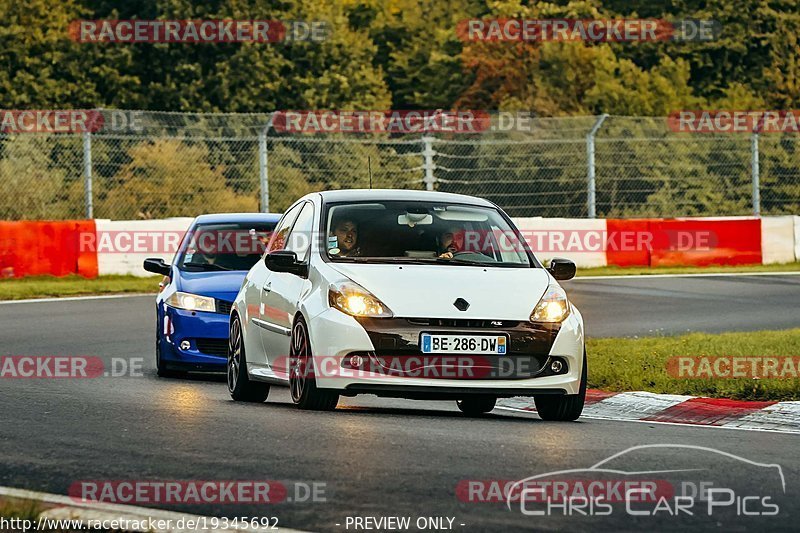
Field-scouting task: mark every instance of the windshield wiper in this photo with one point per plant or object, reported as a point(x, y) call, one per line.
point(470, 262)
point(419, 261)
point(205, 266)
point(353, 259)
point(404, 260)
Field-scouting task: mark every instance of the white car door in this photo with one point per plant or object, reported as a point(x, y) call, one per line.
point(265, 317)
point(256, 279)
point(282, 292)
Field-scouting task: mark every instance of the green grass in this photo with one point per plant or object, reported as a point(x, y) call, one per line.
point(640, 364)
point(30, 510)
point(49, 286)
point(627, 271)
point(23, 509)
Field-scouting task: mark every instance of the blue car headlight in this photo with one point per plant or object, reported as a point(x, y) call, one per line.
point(191, 302)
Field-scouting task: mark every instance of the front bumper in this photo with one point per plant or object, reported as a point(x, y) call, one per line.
point(206, 333)
point(336, 336)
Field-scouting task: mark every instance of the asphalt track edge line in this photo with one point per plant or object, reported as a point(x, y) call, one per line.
point(60, 507)
point(77, 298)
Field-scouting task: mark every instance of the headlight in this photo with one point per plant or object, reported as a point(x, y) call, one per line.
point(192, 302)
point(553, 307)
point(355, 300)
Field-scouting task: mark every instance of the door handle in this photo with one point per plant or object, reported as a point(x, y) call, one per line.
point(268, 287)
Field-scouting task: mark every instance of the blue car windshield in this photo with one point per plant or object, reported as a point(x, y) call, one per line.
point(227, 246)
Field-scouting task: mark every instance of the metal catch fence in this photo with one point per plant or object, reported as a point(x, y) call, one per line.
point(145, 165)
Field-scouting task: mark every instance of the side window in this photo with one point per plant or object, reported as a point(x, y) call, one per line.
point(278, 240)
point(300, 238)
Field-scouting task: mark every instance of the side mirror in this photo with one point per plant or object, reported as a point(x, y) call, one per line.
point(157, 266)
point(562, 269)
point(285, 261)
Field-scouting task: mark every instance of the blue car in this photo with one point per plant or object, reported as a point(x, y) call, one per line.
point(193, 308)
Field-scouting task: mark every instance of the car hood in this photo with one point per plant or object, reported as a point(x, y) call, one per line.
point(429, 291)
point(222, 285)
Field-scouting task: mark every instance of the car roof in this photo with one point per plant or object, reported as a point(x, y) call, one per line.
point(360, 195)
point(222, 218)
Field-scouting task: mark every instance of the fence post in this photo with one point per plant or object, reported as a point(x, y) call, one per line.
point(263, 172)
point(754, 170)
point(427, 152)
point(87, 173)
point(590, 174)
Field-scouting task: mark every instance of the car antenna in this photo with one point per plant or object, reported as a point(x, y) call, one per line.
point(369, 166)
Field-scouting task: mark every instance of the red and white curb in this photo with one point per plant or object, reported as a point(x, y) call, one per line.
point(782, 417)
point(57, 507)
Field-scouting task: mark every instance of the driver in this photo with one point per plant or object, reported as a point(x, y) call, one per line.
point(451, 241)
point(346, 232)
point(204, 252)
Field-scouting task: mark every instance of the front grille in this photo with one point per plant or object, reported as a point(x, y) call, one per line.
point(528, 348)
point(224, 307)
point(464, 366)
point(218, 347)
point(463, 323)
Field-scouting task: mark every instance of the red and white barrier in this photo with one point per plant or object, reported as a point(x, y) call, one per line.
point(797, 238)
point(35, 248)
point(92, 247)
point(123, 245)
point(680, 241)
point(582, 240)
point(777, 234)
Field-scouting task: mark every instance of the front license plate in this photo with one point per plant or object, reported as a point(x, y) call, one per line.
point(471, 344)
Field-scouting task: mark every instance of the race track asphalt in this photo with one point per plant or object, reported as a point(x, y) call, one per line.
point(376, 457)
point(646, 306)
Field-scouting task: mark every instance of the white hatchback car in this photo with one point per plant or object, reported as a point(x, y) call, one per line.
point(408, 294)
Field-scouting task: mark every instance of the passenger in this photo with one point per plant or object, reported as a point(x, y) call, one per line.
point(346, 232)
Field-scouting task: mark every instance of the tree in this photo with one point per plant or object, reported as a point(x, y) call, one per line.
point(168, 178)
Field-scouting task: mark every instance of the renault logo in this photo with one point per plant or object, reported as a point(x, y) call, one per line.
point(461, 304)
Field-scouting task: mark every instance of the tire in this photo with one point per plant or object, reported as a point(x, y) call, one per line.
point(563, 408)
point(161, 367)
point(302, 382)
point(240, 386)
point(476, 405)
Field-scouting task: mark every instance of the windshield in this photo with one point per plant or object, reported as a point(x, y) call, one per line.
point(229, 246)
point(422, 232)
